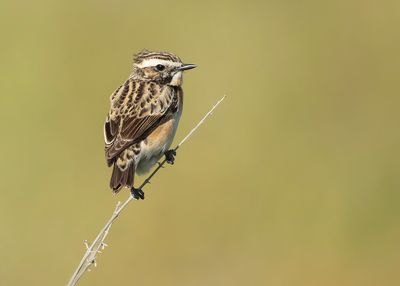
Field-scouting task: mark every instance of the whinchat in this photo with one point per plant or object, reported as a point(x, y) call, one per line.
point(143, 117)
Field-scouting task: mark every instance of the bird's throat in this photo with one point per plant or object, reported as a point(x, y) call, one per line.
point(177, 79)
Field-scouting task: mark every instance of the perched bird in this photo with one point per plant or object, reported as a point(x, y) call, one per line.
point(143, 117)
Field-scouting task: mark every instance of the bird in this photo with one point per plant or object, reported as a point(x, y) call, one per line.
point(143, 118)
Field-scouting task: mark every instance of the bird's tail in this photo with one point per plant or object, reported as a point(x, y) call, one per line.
point(120, 179)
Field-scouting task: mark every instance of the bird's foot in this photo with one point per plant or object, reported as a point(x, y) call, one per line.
point(137, 193)
point(170, 156)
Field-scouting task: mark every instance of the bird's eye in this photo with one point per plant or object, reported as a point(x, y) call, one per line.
point(160, 67)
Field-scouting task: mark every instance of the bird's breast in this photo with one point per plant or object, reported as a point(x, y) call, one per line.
point(156, 143)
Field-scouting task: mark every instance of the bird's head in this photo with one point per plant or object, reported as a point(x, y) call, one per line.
point(161, 67)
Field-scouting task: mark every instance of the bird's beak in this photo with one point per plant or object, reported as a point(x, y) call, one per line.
point(186, 67)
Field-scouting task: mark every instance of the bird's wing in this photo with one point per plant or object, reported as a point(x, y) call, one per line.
point(137, 108)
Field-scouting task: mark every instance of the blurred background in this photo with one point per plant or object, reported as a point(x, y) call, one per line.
point(293, 181)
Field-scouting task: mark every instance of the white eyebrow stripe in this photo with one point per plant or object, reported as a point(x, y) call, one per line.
point(154, 62)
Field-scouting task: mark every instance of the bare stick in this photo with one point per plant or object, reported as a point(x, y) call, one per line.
point(89, 258)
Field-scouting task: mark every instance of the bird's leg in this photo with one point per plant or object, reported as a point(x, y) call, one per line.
point(137, 193)
point(170, 156)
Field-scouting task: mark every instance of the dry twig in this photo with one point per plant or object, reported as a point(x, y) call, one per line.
point(89, 258)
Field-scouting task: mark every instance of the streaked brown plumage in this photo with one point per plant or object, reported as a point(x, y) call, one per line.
point(143, 116)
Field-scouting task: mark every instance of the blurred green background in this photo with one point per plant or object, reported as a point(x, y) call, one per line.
point(293, 181)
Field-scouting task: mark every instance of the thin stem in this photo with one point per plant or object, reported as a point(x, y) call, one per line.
point(90, 255)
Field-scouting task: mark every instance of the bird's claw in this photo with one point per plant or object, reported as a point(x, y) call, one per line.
point(137, 193)
point(170, 156)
